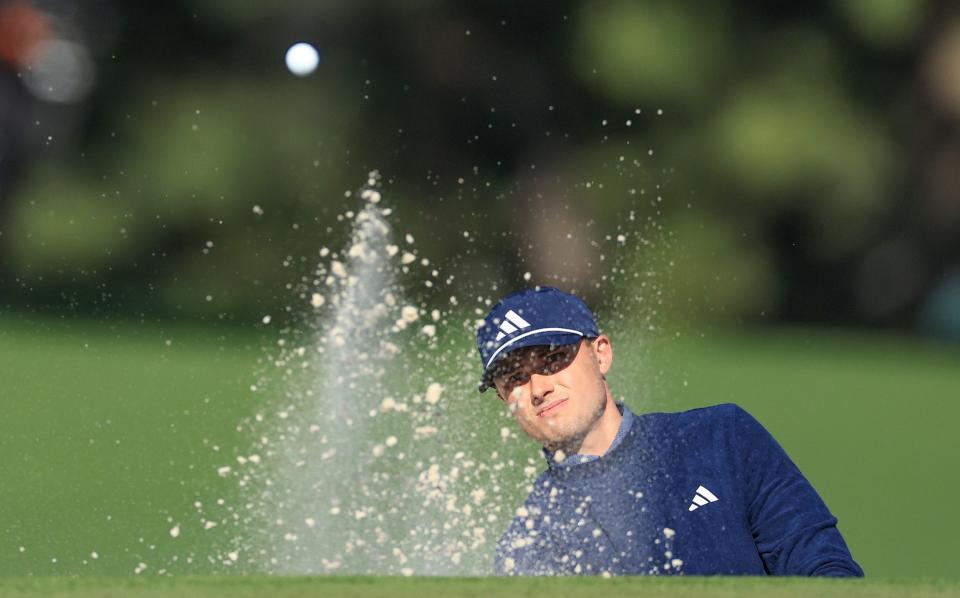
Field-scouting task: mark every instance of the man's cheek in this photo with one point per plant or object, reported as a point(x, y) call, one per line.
point(516, 401)
point(525, 417)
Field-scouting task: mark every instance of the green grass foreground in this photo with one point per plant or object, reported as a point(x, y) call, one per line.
point(375, 587)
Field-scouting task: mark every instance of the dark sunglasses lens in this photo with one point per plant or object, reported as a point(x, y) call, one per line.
point(517, 372)
point(558, 359)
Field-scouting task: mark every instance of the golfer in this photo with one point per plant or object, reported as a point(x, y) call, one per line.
point(702, 492)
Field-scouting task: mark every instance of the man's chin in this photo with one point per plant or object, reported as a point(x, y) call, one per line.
point(568, 441)
point(564, 434)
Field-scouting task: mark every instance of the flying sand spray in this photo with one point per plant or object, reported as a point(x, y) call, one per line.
point(358, 468)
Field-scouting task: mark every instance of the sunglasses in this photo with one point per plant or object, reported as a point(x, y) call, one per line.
point(545, 360)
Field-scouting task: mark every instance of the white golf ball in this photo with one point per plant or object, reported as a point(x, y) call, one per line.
point(302, 59)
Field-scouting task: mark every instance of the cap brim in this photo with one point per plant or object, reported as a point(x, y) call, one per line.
point(556, 339)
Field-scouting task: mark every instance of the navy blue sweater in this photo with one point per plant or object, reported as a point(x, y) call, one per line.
point(703, 492)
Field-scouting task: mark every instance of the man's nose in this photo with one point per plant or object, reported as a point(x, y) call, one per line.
point(540, 387)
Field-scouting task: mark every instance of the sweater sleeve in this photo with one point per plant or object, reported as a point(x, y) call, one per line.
point(526, 550)
point(794, 531)
point(513, 556)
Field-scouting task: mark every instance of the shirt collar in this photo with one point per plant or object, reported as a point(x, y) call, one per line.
point(625, 424)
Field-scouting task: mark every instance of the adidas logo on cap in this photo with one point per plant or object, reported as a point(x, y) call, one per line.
point(511, 323)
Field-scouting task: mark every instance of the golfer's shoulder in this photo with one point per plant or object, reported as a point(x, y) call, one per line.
point(709, 433)
point(722, 416)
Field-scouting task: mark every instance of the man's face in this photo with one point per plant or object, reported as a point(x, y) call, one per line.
point(556, 394)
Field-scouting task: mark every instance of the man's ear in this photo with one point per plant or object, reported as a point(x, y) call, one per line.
point(603, 351)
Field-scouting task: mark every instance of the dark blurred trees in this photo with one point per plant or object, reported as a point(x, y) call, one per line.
point(788, 162)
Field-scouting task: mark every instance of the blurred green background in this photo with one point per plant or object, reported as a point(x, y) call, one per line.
point(784, 179)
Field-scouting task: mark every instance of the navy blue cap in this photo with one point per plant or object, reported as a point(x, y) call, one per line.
point(538, 316)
